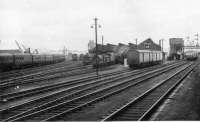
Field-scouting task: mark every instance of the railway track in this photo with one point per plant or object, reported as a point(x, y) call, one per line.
point(78, 81)
point(74, 113)
point(24, 73)
point(57, 86)
point(27, 71)
point(141, 108)
point(46, 75)
point(30, 78)
point(64, 105)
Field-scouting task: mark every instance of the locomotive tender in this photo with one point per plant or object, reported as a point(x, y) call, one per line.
point(142, 58)
point(11, 61)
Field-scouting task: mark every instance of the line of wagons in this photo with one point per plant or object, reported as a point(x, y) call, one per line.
point(191, 55)
point(135, 58)
point(12, 61)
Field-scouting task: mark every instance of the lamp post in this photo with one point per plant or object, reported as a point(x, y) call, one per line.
point(96, 51)
point(197, 39)
point(188, 40)
point(102, 40)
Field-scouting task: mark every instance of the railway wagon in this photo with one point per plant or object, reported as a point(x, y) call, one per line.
point(191, 55)
point(48, 59)
point(22, 59)
point(12, 61)
point(6, 61)
point(58, 58)
point(38, 59)
point(143, 58)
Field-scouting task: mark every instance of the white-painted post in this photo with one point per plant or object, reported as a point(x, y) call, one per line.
point(125, 62)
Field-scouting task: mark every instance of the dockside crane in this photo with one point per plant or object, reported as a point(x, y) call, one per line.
point(26, 50)
point(21, 50)
point(36, 51)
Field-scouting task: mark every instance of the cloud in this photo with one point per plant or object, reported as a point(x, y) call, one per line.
point(52, 24)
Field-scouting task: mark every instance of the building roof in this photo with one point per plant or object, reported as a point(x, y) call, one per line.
point(149, 50)
point(103, 48)
point(14, 51)
point(122, 49)
point(148, 44)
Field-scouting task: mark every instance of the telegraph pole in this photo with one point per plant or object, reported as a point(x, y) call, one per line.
point(96, 51)
point(136, 42)
point(197, 38)
point(162, 44)
point(102, 40)
point(162, 50)
point(188, 40)
point(97, 65)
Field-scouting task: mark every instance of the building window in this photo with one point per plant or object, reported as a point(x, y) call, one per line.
point(147, 45)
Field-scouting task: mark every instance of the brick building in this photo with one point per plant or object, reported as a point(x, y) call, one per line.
point(148, 44)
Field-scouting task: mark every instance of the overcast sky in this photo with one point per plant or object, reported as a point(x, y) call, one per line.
point(51, 24)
